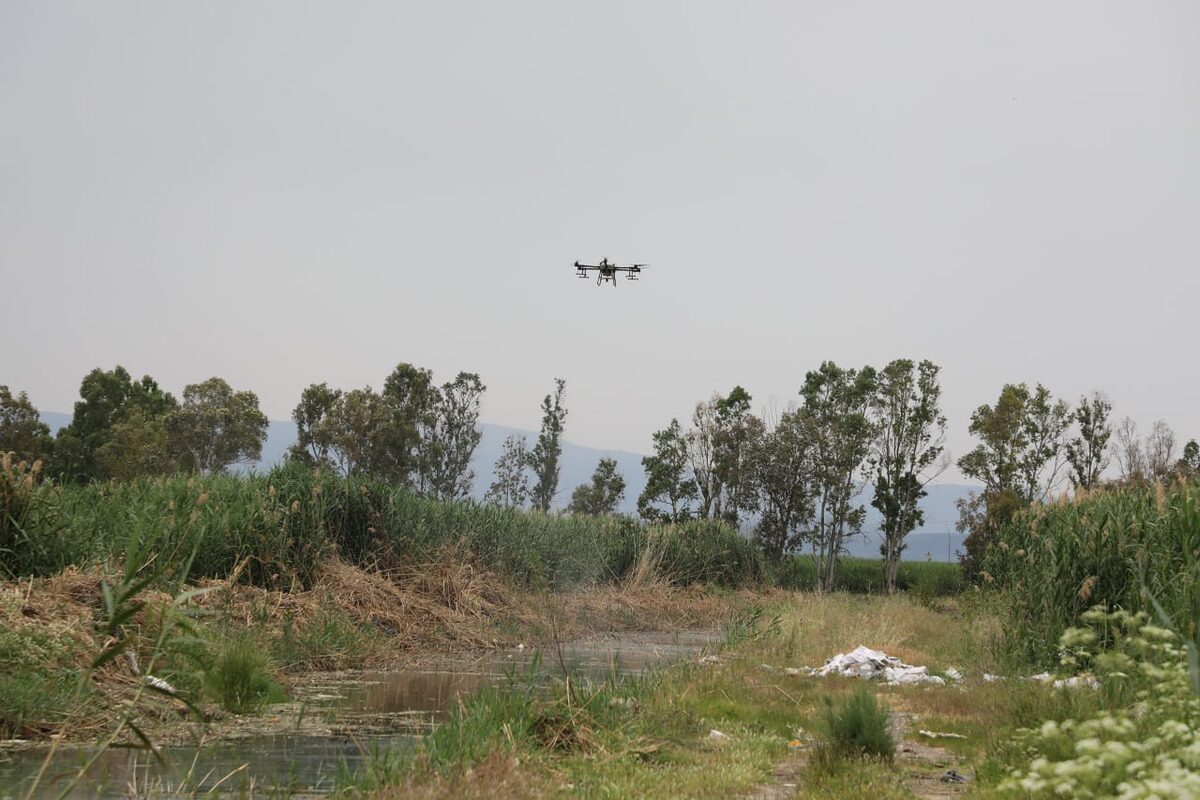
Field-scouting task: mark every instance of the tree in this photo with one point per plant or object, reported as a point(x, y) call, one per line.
point(104, 400)
point(1021, 447)
point(734, 426)
point(669, 492)
point(1188, 467)
point(1128, 451)
point(137, 446)
point(413, 398)
point(834, 413)
point(1160, 452)
point(909, 434)
point(544, 457)
point(454, 437)
point(365, 438)
point(21, 430)
point(511, 486)
point(779, 466)
point(600, 497)
point(313, 445)
point(1088, 452)
point(702, 449)
point(215, 427)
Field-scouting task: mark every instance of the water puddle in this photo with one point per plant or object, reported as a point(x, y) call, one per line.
point(335, 722)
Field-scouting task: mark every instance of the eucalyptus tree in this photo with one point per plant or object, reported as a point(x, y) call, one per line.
point(910, 432)
point(105, 397)
point(702, 446)
point(215, 427)
point(314, 445)
point(735, 426)
point(1160, 452)
point(602, 496)
point(780, 466)
point(511, 485)
point(1022, 445)
point(455, 435)
point(412, 397)
point(1088, 451)
point(835, 406)
point(22, 431)
point(670, 493)
point(546, 452)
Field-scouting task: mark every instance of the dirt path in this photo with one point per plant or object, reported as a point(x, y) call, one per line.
point(924, 765)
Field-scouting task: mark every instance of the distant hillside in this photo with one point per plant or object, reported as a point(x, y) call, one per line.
point(936, 539)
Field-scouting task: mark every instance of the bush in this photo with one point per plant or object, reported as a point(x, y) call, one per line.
point(865, 575)
point(240, 680)
point(860, 727)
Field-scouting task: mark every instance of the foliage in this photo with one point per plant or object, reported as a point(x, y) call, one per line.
point(1057, 560)
point(908, 443)
point(669, 492)
point(1088, 452)
point(239, 677)
point(1021, 442)
point(544, 457)
point(215, 427)
point(105, 398)
point(447, 472)
point(780, 473)
point(866, 576)
point(511, 486)
point(859, 727)
point(603, 494)
point(137, 446)
point(1149, 748)
point(21, 430)
point(837, 425)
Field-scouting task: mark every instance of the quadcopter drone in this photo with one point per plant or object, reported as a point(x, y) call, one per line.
point(608, 272)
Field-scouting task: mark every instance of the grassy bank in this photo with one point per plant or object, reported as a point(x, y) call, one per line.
point(652, 737)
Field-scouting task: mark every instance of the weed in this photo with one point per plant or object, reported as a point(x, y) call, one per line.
point(240, 679)
point(859, 727)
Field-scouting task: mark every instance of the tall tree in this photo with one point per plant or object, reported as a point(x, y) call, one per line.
point(21, 430)
point(1160, 452)
point(215, 427)
point(1021, 442)
point(1127, 449)
point(511, 486)
point(137, 446)
point(413, 397)
point(454, 437)
point(909, 434)
point(779, 466)
point(669, 492)
point(735, 424)
point(703, 453)
point(835, 404)
point(1188, 466)
point(313, 445)
point(1088, 451)
point(104, 398)
point(545, 455)
point(601, 496)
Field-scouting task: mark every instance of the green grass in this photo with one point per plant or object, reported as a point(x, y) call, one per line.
point(239, 677)
point(858, 727)
point(865, 575)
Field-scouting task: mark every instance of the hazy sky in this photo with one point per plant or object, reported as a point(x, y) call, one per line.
point(283, 193)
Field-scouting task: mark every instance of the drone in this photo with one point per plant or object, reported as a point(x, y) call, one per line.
point(608, 272)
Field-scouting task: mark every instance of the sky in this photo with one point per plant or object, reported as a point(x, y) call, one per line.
point(283, 193)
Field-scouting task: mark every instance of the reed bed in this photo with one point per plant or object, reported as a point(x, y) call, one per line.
point(1132, 548)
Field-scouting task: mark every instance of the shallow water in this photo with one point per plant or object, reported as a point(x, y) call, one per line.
point(336, 722)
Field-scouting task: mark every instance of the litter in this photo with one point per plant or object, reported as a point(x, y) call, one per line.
point(953, 674)
point(951, 776)
point(1074, 682)
point(710, 660)
point(941, 735)
point(863, 662)
point(717, 736)
point(160, 684)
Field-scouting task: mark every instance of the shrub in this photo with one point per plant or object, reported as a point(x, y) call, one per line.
point(239, 678)
point(860, 727)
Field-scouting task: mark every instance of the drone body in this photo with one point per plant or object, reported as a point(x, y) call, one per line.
point(607, 272)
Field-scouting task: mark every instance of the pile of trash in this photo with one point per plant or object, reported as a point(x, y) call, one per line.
point(863, 662)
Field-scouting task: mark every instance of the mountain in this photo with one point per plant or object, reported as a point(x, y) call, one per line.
point(935, 539)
